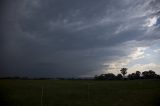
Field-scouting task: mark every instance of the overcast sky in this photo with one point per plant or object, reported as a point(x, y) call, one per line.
point(78, 38)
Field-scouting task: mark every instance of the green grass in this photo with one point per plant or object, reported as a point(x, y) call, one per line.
point(80, 93)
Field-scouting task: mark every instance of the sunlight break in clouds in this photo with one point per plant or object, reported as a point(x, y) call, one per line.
point(138, 53)
point(151, 21)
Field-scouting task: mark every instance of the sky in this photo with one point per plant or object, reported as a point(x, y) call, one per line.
point(78, 38)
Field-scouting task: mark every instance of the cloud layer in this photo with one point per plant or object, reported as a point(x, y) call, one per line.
point(55, 38)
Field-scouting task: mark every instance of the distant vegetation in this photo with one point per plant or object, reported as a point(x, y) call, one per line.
point(137, 75)
point(108, 76)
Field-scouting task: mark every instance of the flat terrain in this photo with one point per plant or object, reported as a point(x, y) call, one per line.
point(79, 93)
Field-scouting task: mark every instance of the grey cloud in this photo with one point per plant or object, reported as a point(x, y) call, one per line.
point(68, 38)
point(155, 4)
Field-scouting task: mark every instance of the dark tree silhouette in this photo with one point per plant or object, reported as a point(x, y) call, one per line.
point(110, 76)
point(138, 74)
point(149, 74)
point(119, 76)
point(132, 76)
point(157, 76)
point(123, 71)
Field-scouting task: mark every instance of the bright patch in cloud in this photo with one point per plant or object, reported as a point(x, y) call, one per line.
point(151, 21)
point(139, 53)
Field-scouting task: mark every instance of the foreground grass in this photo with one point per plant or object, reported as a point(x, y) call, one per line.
point(80, 93)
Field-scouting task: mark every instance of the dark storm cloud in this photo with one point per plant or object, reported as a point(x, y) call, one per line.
point(67, 38)
point(155, 5)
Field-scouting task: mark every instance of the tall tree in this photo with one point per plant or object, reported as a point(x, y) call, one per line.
point(138, 74)
point(123, 71)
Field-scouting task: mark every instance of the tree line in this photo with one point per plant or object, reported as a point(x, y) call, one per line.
point(108, 76)
point(121, 76)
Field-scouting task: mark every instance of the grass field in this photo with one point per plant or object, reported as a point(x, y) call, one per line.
point(80, 93)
